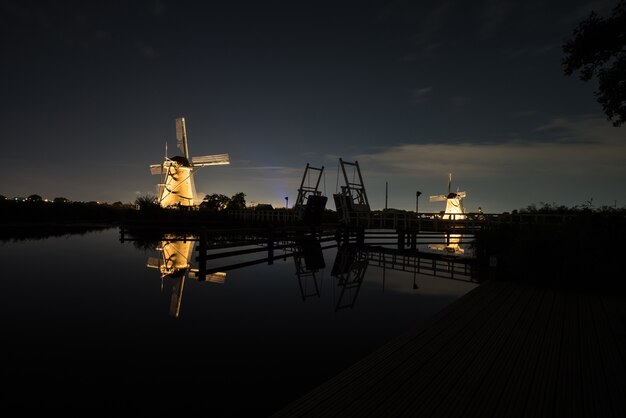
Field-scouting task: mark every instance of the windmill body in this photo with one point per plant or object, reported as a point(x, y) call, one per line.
point(177, 186)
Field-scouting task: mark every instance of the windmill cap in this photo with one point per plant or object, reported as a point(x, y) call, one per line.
point(451, 195)
point(181, 160)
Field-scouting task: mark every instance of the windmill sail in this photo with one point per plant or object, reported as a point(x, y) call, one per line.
point(157, 169)
point(181, 137)
point(217, 159)
point(438, 198)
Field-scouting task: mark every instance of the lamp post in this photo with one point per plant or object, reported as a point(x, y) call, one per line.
point(417, 200)
point(286, 202)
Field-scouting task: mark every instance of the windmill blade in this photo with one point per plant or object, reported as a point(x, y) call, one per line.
point(439, 198)
point(218, 277)
point(449, 181)
point(181, 137)
point(154, 262)
point(216, 159)
point(461, 195)
point(157, 169)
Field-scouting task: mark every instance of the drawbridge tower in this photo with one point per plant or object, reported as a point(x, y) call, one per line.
point(310, 203)
point(353, 198)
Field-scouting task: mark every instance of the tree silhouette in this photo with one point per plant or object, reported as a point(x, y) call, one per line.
point(238, 201)
point(147, 201)
point(35, 198)
point(215, 202)
point(598, 48)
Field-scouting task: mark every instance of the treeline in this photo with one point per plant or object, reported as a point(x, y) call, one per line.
point(39, 211)
point(586, 207)
point(581, 249)
point(212, 203)
point(34, 210)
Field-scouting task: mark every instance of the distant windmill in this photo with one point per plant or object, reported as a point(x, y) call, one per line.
point(454, 204)
point(177, 187)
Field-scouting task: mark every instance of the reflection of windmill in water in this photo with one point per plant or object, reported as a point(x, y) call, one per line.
point(454, 211)
point(177, 187)
point(175, 263)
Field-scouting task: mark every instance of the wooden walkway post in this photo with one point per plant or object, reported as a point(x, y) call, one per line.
point(360, 235)
point(202, 248)
point(270, 247)
point(401, 239)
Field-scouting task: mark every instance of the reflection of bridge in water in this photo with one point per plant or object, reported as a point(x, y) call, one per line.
point(352, 262)
point(208, 256)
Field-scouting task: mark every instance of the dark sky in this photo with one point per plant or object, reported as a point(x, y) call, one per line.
point(413, 90)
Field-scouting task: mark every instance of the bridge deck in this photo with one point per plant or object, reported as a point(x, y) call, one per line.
point(505, 349)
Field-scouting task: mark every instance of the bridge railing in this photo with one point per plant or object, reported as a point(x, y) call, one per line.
point(434, 221)
point(445, 222)
point(266, 216)
point(411, 220)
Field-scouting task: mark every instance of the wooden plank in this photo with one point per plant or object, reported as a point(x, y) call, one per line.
point(502, 350)
point(610, 358)
point(480, 396)
point(423, 362)
point(595, 402)
point(540, 400)
point(458, 374)
point(509, 373)
point(334, 393)
point(512, 374)
point(568, 399)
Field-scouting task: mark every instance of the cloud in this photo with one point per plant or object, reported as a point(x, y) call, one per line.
point(580, 147)
point(146, 50)
point(531, 51)
point(459, 101)
point(102, 35)
point(523, 113)
point(158, 8)
point(494, 15)
point(267, 168)
point(29, 14)
point(544, 49)
point(420, 95)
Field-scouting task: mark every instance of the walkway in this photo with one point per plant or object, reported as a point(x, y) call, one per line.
point(504, 350)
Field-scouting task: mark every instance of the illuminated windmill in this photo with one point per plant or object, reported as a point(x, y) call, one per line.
point(454, 204)
point(177, 187)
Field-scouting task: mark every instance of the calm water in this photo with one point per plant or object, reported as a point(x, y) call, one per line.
point(89, 324)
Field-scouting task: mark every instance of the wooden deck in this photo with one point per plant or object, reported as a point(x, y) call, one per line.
point(503, 350)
